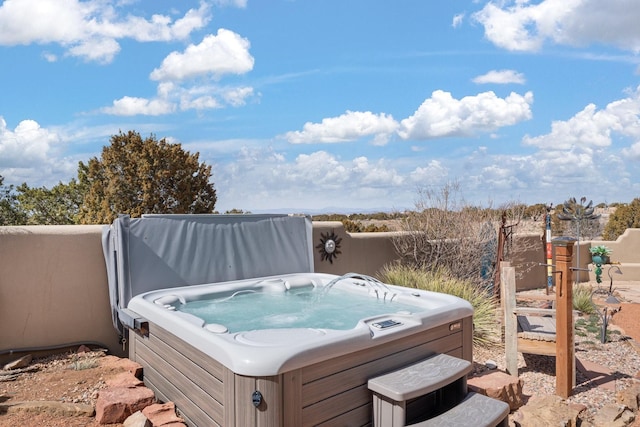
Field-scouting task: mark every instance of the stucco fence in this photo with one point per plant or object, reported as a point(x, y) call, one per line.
point(54, 292)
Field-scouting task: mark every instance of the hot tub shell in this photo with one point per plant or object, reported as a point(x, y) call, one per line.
point(319, 382)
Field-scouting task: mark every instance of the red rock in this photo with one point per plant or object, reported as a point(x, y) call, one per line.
point(115, 404)
point(125, 364)
point(22, 362)
point(499, 385)
point(83, 349)
point(163, 415)
point(131, 366)
point(124, 379)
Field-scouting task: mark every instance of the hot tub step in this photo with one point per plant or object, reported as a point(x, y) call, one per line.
point(433, 390)
point(476, 409)
point(421, 378)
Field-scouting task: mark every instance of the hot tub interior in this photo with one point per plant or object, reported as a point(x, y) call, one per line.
point(299, 301)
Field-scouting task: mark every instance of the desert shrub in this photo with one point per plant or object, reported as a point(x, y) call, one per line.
point(352, 226)
point(625, 216)
point(446, 232)
point(485, 325)
point(358, 227)
point(80, 363)
point(582, 299)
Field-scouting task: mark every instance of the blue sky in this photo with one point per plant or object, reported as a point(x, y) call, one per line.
point(333, 105)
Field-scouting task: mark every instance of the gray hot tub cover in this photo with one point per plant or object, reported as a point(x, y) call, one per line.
point(165, 251)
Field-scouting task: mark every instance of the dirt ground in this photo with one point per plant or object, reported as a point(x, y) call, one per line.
point(628, 318)
point(57, 380)
point(71, 378)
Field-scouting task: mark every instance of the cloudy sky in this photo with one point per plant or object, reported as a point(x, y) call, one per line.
point(333, 105)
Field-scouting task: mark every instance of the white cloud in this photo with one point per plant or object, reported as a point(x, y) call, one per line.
point(265, 179)
point(435, 171)
point(591, 128)
point(320, 168)
point(101, 50)
point(50, 57)
point(184, 79)
point(131, 106)
point(378, 174)
point(500, 77)
point(224, 53)
point(633, 152)
point(519, 25)
point(348, 127)
point(444, 116)
point(206, 102)
point(172, 97)
point(26, 144)
point(236, 3)
point(89, 29)
point(237, 96)
point(457, 20)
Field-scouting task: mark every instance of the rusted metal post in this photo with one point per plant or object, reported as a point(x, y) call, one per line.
point(565, 357)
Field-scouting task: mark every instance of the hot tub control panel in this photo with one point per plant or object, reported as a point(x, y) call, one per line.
point(384, 324)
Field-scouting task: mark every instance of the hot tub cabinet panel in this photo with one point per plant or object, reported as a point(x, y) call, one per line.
point(332, 392)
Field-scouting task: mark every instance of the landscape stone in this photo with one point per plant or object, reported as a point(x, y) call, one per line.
point(51, 407)
point(115, 404)
point(124, 364)
point(163, 415)
point(491, 364)
point(629, 397)
point(124, 379)
point(613, 415)
point(137, 419)
point(499, 385)
point(596, 373)
point(83, 349)
point(22, 362)
point(547, 411)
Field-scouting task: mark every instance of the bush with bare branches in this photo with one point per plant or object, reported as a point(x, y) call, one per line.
point(445, 232)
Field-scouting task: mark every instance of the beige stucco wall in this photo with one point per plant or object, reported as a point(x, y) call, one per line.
point(364, 253)
point(625, 253)
point(53, 288)
point(54, 292)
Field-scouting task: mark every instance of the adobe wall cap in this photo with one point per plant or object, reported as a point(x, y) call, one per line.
point(564, 240)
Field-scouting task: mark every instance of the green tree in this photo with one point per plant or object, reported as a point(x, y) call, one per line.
point(625, 216)
point(138, 176)
point(236, 211)
point(60, 205)
point(535, 212)
point(10, 214)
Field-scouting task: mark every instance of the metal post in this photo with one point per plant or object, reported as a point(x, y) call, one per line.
point(565, 361)
point(549, 251)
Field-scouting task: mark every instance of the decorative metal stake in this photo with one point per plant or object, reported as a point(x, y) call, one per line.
point(574, 211)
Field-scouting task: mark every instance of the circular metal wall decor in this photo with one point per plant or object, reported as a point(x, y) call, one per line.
point(329, 246)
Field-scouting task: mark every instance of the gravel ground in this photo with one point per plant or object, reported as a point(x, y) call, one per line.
point(621, 356)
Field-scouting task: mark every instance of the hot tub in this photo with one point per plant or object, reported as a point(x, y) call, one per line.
point(287, 366)
point(303, 367)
